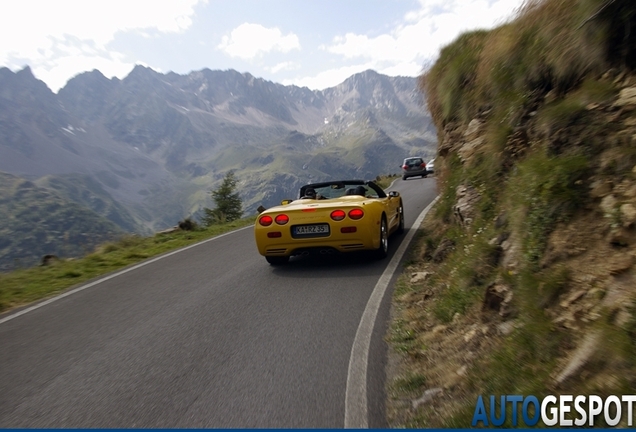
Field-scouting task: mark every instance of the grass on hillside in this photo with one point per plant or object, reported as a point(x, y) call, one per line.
point(386, 180)
point(27, 285)
point(551, 46)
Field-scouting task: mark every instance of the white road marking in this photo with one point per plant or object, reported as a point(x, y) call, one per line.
point(356, 415)
point(104, 279)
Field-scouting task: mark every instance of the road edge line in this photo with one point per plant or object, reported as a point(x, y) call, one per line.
point(114, 275)
point(356, 402)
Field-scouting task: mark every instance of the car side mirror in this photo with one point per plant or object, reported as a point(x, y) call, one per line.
point(286, 201)
point(394, 194)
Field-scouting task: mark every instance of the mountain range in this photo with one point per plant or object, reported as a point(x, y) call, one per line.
point(146, 150)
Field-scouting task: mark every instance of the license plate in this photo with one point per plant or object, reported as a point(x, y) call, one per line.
point(313, 230)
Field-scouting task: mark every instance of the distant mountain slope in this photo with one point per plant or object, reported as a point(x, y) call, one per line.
point(37, 222)
point(88, 192)
point(158, 143)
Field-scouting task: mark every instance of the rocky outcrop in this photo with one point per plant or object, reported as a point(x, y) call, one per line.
point(472, 141)
point(464, 209)
point(498, 298)
point(626, 98)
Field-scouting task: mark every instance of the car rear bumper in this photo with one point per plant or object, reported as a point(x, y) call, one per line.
point(414, 173)
point(362, 239)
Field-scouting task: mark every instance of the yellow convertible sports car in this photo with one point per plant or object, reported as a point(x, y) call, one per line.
point(337, 216)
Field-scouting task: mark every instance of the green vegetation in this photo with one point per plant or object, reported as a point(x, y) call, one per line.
point(26, 285)
point(402, 337)
point(451, 180)
point(538, 92)
point(385, 181)
point(552, 45)
point(228, 203)
point(546, 190)
point(89, 193)
point(37, 222)
point(409, 383)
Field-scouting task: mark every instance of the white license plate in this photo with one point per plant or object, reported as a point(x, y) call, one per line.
point(315, 230)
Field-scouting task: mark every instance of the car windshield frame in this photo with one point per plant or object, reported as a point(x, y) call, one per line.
point(338, 189)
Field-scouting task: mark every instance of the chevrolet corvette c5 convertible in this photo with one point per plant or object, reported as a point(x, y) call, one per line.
point(336, 216)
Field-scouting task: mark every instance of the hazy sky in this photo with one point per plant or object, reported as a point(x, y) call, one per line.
point(313, 43)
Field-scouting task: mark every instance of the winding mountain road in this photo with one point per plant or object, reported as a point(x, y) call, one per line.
point(211, 336)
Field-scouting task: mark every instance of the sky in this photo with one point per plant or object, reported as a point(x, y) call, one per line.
point(312, 43)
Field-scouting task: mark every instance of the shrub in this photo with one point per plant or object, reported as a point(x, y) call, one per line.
point(188, 224)
point(228, 203)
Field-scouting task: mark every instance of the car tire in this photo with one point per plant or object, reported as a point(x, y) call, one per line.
point(400, 228)
point(404, 177)
point(424, 176)
point(383, 250)
point(277, 260)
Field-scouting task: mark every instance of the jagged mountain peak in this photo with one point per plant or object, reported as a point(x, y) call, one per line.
point(365, 80)
point(370, 89)
point(23, 81)
point(95, 75)
point(141, 75)
point(155, 140)
point(87, 94)
point(142, 70)
point(93, 78)
point(366, 75)
point(26, 72)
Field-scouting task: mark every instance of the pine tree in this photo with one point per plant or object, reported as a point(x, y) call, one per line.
point(228, 203)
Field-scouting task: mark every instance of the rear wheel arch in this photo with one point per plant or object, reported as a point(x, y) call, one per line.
point(383, 247)
point(400, 227)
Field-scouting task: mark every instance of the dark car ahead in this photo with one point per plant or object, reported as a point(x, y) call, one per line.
point(413, 167)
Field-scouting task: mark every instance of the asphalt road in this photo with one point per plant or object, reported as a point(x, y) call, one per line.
point(209, 337)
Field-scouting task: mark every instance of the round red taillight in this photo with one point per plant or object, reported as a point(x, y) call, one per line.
point(356, 214)
point(266, 220)
point(338, 215)
point(281, 219)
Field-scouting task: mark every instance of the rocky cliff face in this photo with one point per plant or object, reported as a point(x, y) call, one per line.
point(575, 288)
point(158, 143)
point(526, 278)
